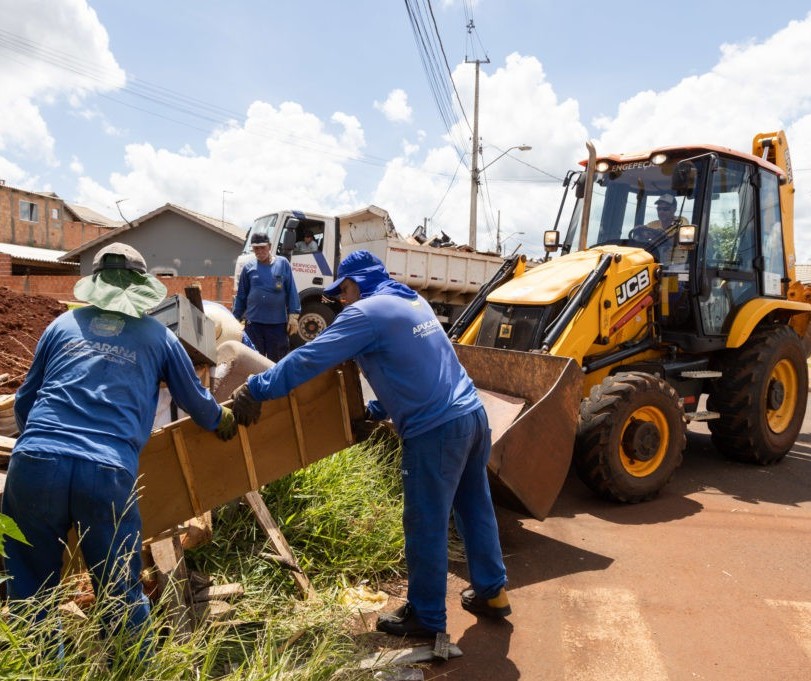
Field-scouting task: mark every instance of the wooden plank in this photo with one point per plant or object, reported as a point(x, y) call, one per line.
point(247, 455)
point(188, 474)
point(276, 538)
point(220, 592)
point(185, 474)
point(294, 412)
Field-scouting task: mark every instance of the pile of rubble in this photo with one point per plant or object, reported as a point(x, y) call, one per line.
point(22, 320)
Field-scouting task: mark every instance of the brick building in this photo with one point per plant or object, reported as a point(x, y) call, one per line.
point(44, 220)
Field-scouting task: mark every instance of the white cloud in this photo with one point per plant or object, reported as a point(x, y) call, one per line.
point(412, 191)
point(76, 166)
point(40, 49)
point(395, 108)
point(280, 158)
point(754, 87)
point(285, 156)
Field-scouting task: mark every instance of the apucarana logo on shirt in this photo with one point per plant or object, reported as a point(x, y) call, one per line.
point(425, 329)
point(113, 353)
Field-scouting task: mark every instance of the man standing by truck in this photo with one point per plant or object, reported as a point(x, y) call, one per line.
point(413, 369)
point(85, 411)
point(267, 299)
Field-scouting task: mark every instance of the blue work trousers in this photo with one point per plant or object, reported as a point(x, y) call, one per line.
point(46, 494)
point(445, 470)
point(270, 340)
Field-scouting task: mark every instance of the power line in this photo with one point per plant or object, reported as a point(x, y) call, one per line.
point(158, 96)
point(429, 47)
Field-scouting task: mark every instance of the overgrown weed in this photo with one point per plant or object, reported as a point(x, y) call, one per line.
point(342, 518)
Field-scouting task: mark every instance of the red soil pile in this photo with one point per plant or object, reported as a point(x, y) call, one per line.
point(22, 321)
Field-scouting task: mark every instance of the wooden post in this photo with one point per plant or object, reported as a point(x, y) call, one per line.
point(274, 534)
point(170, 563)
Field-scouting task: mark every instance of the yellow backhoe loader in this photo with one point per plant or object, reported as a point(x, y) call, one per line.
point(654, 314)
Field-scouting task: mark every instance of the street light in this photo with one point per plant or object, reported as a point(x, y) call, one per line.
point(474, 188)
point(505, 240)
point(224, 192)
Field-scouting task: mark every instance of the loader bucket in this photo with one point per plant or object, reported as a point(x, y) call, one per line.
point(532, 403)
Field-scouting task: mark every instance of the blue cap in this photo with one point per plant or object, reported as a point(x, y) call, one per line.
point(360, 266)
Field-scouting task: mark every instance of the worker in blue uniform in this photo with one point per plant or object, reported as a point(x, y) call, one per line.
point(84, 412)
point(418, 381)
point(267, 300)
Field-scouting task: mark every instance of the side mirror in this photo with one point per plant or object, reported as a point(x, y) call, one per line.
point(289, 236)
point(683, 182)
point(580, 186)
point(551, 240)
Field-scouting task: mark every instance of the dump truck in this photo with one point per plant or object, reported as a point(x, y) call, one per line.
point(697, 319)
point(448, 277)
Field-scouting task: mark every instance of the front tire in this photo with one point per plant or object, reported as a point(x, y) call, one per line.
point(630, 437)
point(314, 318)
point(761, 397)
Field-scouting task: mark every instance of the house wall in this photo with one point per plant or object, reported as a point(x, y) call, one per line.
point(60, 287)
point(53, 227)
point(173, 243)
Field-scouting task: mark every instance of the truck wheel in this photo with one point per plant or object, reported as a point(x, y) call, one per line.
point(761, 397)
point(314, 318)
point(630, 437)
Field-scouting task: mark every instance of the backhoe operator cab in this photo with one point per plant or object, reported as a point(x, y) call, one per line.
point(723, 247)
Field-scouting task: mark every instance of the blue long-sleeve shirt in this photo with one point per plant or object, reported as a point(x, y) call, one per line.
point(92, 389)
point(266, 293)
point(404, 353)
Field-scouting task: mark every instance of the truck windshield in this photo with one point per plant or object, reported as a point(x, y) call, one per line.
point(629, 197)
point(264, 225)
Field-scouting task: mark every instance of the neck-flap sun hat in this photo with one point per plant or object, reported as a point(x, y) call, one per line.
point(120, 282)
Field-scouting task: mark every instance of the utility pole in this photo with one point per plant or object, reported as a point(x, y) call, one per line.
point(474, 157)
point(498, 233)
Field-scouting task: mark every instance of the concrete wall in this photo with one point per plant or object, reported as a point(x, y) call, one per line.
point(219, 289)
point(53, 228)
point(172, 243)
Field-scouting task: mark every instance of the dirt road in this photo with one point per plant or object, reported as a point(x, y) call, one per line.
point(710, 581)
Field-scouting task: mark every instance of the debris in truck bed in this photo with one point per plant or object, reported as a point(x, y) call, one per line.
point(22, 320)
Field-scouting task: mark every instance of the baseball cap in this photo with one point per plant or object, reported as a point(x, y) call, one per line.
point(667, 199)
point(358, 266)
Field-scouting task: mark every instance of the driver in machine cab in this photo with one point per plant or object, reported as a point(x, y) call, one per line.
point(666, 210)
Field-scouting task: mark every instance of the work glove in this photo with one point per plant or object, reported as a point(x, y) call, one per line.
point(292, 325)
point(227, 427)
point(246, 409)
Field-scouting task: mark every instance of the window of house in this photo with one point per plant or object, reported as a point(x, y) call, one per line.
point(54, 213)
point(29, 211)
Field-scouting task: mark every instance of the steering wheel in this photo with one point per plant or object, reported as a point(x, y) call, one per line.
point(644, 234)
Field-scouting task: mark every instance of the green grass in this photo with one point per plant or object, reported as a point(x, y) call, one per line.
point(342, 518)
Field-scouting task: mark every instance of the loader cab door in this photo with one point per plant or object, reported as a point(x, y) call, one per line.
point(728, 278)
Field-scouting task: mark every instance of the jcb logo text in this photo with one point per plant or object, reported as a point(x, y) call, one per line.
point(630, 287)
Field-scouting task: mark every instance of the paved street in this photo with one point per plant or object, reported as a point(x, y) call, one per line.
point(710, 581)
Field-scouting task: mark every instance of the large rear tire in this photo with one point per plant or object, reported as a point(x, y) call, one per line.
point(314, 318)
point(630, 437)
point(761, 397)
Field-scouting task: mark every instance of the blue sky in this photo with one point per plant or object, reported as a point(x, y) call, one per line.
point(325, 105)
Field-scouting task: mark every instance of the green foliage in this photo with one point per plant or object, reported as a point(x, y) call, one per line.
point(8, 528)
point(342, 517)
